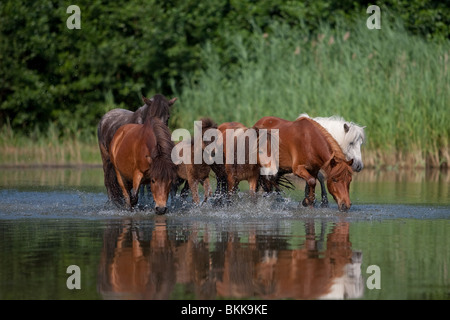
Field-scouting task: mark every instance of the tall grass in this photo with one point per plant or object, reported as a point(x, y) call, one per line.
point(50, 148)
point(394, 83)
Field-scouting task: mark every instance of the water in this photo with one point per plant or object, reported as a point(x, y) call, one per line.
point(395, 238)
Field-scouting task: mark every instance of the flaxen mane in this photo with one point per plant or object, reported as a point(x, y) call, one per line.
point(331, 141)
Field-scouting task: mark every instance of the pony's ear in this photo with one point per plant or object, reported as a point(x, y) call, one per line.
point(346, 127)
point(333, 162)
point(155, 152)
point(350, 162)
point(147, 101)
point(172, 101)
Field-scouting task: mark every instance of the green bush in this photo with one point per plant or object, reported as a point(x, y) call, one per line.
point(50, 74)
point(396, 84)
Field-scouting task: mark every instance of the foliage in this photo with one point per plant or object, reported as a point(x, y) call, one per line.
point(396, 84)
point(125, 49)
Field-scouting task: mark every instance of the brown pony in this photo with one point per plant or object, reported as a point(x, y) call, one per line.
point(158, 106)
point(305, 148)
point(191, 172)
point(236, 172)
point(141, 154)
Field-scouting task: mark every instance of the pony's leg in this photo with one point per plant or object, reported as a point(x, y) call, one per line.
point(307, 190)
point(207, 188)
point(124, 189)
point(185, 191)
point(301, 172)
point(324, 203)
point(221, 188)
point(137, 178)
point(253, 185)
point(174, 189)
point(232, 187)
point(193, 183)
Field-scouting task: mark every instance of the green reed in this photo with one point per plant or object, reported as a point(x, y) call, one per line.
point(50, 148)
point(394, 83)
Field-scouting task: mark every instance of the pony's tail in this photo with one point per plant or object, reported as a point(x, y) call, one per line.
point(278, 183)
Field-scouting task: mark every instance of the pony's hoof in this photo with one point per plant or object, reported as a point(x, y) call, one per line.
point(324, 203)
point(307, 203)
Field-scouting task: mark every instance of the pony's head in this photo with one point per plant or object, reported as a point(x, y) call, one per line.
point(159, 107)
point(160, 188)
point(354, 137)
point(339, 175)
point(162, 171)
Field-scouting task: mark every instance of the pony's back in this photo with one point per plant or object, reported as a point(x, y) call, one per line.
point(328, 137)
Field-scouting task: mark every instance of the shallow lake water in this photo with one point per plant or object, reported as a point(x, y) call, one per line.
point(393, 243)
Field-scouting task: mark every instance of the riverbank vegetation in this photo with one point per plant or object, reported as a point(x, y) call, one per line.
point(232, 61)
point(395, 84)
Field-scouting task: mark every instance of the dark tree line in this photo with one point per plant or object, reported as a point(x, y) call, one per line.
point(125, 49)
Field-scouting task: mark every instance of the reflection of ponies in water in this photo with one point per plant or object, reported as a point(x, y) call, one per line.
point(131, 268)
point(142, 262)
point(158, 106)
point(147, 262)
point(302, 273)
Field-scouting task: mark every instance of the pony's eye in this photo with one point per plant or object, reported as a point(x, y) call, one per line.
point(153, 181)
point(334, 180)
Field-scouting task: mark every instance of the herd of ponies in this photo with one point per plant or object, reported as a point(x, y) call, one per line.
point(137, 150)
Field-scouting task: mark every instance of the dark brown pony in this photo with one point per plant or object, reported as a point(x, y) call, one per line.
point(141, 154)
point(235, 171)
point(158, 107)
point(191, 172)
point(305, 148)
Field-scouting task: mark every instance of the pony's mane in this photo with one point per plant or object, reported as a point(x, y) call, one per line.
point(331, 141)
point(162, 164)
point(356, 131)
point(159, 108)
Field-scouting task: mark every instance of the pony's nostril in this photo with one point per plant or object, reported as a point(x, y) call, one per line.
point(343, 207)
point(161, 210)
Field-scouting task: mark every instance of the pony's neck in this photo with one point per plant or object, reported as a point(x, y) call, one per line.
point(333, 144)
point(140, 115)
